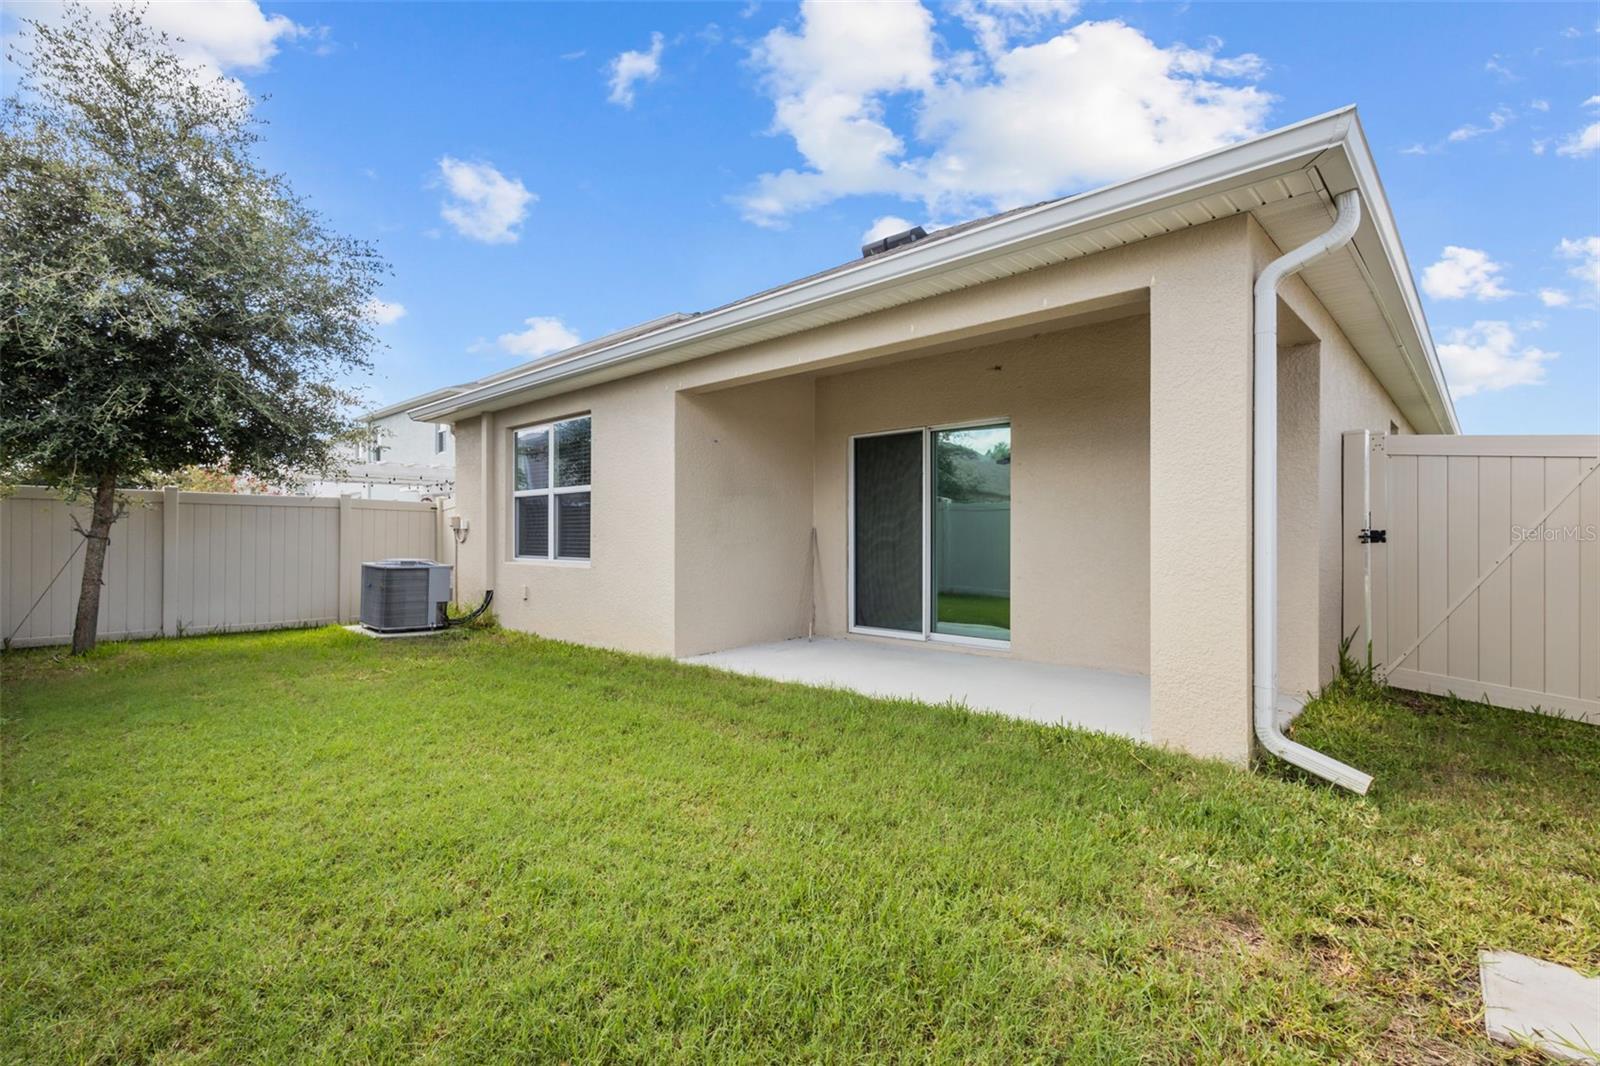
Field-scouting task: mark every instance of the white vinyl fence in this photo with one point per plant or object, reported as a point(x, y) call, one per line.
point(1484, 579)
point(201, 562)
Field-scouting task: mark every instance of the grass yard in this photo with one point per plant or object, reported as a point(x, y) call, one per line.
point(313, 846)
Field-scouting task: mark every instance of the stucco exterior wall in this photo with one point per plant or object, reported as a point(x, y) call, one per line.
point(1078, 403)
point(649, 589)
point(1300, 491)
point(743, 514)
point(623, 597)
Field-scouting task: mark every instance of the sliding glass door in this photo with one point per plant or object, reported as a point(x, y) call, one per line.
point(888, 530)
point(971, 566)
point(930, 533)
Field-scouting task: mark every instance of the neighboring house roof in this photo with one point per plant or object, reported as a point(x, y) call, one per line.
point(1287, 179)
point(403, 406)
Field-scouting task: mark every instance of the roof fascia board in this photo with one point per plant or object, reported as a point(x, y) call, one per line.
point(1282, 151)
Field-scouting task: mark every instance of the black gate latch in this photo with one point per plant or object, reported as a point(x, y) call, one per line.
point(1374, 536)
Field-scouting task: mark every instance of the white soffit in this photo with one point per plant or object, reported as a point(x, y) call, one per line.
point(1283, 178)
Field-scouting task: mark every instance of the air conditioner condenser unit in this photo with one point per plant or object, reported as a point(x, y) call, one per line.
point(403, 594)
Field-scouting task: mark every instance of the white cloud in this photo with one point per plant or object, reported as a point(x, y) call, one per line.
point(1498, 119)
point(1540, 105)
point(886, 226)
point(382, 312)
point(1584, 142)
point(1022, 121)
point(1464, 272)
point(995, 23)
point(223, 35)
point(1494, 66)
point(1555, 297)
point(216, 40)
point(544, 336)
point(1586, 250)
point(484, 204)
point(630, 68)
point(1487, 358)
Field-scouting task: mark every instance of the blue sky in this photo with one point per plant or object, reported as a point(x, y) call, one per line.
point(542, 172)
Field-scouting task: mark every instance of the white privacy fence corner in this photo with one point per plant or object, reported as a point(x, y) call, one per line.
point(201, 562)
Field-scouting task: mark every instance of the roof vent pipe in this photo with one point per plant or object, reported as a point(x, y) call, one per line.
point(1265, 563)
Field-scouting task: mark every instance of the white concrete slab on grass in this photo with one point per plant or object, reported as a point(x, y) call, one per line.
point(1038, 692)
point(1530, 1001)
point(395, 635)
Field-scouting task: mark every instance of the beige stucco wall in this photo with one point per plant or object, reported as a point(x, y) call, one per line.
point(1078, 403)
point(663, 560)
point(622, 598)
point(743, 514)
point(1299, 488)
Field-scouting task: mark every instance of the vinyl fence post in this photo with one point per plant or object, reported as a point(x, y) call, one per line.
point(171, 498)
point(347, 560)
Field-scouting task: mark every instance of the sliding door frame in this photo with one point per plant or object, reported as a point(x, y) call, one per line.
point(927, 635)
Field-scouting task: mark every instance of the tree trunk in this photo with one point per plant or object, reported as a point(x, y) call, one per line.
point(84, 627)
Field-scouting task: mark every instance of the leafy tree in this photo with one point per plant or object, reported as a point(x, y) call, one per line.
point(165, 303)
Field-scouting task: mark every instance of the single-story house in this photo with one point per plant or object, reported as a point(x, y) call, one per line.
point(1036, 436)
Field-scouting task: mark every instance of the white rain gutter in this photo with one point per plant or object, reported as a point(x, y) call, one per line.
point(1265, 564)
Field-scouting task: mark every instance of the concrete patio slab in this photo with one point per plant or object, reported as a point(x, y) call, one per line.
point(1037, 692)
point(1530, 1001)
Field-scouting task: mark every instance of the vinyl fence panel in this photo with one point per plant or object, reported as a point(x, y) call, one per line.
point(196, 562)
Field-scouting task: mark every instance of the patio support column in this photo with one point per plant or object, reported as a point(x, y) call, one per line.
point(1200, 503)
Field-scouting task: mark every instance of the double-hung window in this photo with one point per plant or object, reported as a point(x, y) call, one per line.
point(550, 490)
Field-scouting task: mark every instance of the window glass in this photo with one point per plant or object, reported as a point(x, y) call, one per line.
point(572, 453)
point(533, 526)
point(533, 460)
point(572, 525)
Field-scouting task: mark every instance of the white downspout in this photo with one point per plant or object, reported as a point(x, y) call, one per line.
point(1265, 564)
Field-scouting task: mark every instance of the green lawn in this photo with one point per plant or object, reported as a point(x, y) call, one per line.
point(313, 846)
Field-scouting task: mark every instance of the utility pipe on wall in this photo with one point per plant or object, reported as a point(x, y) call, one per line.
point(1265, 469)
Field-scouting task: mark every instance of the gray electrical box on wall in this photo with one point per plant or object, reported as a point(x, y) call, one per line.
point(401, 594)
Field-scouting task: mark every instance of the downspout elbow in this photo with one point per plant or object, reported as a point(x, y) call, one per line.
point(1265, 492)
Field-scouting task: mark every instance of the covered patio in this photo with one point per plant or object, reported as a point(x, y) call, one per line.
point(1098, 700)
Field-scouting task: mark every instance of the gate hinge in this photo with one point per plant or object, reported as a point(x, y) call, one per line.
point(1374, 536)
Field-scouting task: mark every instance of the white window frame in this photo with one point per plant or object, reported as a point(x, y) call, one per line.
point(440, 438)
point(551, 492)
point(927, 635)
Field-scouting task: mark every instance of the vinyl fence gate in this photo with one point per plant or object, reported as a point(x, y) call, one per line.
point(1472, 565)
